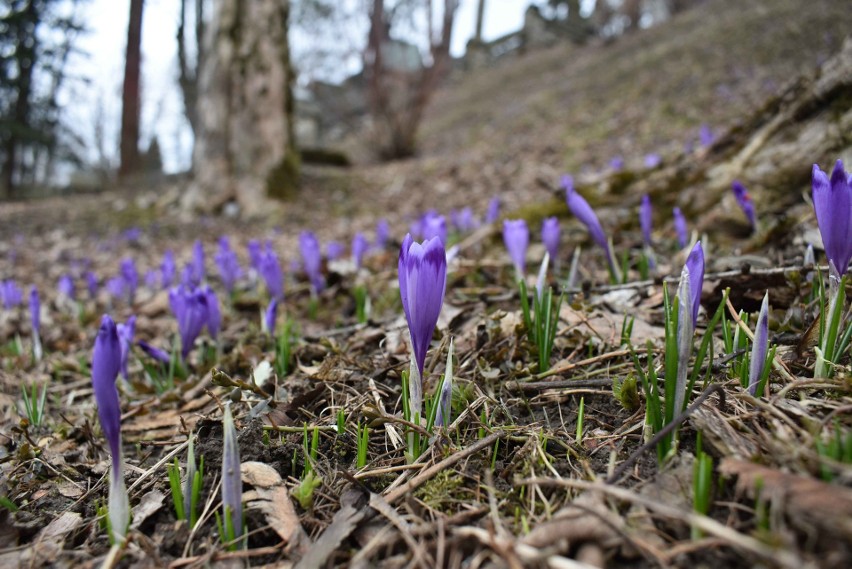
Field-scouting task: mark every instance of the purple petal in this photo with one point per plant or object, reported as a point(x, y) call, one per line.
point(833, 207)
point(550, 236)
point(516, 236)
point(35, 310)
point(156, 353)
point(695, 264)
point(584, 212)
point(106, 363)
point(645, 218)
point(680, 227)
point(760, 346)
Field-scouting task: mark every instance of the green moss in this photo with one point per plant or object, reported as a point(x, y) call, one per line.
point(282, 182)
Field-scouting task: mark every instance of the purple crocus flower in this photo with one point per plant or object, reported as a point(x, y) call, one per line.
point(695, 264)
point(35, 320)
point(35, 310)
point(125, 338)
point(360, 245)
point(584, 212)
point(744, 201)
point(190, 310)
point(130, 276)
point(680, 227)
point(168, 269)
point(645, 219)
point(270, 269)
point(11, 294)
point(228, 264)
point(463, 220)
point(214, 315)
point(705, 135)
point(232, 485)
point(156, 353)
point(833, 206)
point(196, 271)
point(92, 284)
point(760, 346)
point(550, 234)
point(255, 254)
point(117, 287)
point(616, 163)
point(334, 250)
point(493, 213)
point(132, 235)
point(434, 225)
point(312, 259)
point(652, 160)
point(106, 363)
point(422, 283)
point(689, 301)
point(382, 233)
point(65, 287)
point(516, 236)
point(151, 280)
point(270, 316)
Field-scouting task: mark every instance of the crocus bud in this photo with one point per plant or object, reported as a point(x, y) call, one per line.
point(156, 353)
point(35, 310)
point(652, 160)
point(190, 310)
point(106, 362)
point(645, 219)
point(168, 269)
point(11, 294)
point(35, 319)
point(689, 301)
point(550, 236)
point(270, 269)
point(334, 250)
point(232, 485)
point(196, 266)
point(228, 264)
point(680, 228)
point(493, 213)
point(584, 212)
point(422, 283)
point(65, 287)
point(833, 207)
point(312, 259)
point(434, 225)
point(705, 135)
point(269, 317)
point(131, 278)
point(92, 284)
point(125, 339)
point(744, 201)
point(760, 346)
point(382, 233)
point(359, 249)
point(516, 236)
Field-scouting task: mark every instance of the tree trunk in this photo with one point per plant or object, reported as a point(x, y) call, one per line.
point(130, 105)
point(480, 16)
point(244, 147)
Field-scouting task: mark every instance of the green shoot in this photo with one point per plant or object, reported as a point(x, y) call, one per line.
point(363, 444)
point(341, 421)
point(837, 448)
point(177, 494)
point(830, 323)
point(702, 482)
point(284, 348)
point(580, 415)
point(34, 402)
point(541, 322)
point(362, 304)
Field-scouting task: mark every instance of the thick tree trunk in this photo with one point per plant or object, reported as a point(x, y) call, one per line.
point(244, 148)
point(130, 104)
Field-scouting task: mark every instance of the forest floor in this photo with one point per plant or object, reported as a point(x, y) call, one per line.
point(539, 468)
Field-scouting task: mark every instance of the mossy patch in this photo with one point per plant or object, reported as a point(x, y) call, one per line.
point(282, 182)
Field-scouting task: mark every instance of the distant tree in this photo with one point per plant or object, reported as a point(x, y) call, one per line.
point(130, 92)
point(400, 86)
point(188, 69)
point(244, 148)
point(36, 40)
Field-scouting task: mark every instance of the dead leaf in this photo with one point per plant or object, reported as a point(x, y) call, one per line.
point(272, 498)
point(148, 506)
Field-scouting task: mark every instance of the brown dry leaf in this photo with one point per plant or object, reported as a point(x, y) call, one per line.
point(607, 326)
point(271, 497)
point(808, 502)
point(720, 435)
point(148, 506)
point(50, 541)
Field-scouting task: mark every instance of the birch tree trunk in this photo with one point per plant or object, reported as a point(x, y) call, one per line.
point(244, 149)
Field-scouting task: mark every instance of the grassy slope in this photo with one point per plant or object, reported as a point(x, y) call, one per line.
point(570, 107)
